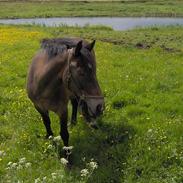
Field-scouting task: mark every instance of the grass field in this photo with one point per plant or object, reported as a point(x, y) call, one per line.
point(27, 9)
point(140, 138)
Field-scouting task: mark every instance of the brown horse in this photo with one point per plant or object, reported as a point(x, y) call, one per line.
point(63, 70)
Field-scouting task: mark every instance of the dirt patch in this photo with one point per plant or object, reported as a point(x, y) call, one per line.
point(165, 48)
point(118, 104)
point(142, 46)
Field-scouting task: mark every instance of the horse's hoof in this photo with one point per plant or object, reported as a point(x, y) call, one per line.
point(69, 165)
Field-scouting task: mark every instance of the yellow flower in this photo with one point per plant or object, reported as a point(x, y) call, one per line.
point(11, 35)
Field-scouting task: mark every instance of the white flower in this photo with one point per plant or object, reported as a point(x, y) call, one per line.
point(19, 167)
point(150, 130)
point(93, 165)
point(37, 180)
point(64, 161)
point(9, 163)
point(50, 137)
point(84, 172)
point(22, 160)
point(54, 176)
point(44, 179)
point(57, 139)
point(68, 147)
point(27, 165)
point(14, 165)
point(2, 153)
point(19, 181)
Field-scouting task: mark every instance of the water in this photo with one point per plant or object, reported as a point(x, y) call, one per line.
point(117, 23)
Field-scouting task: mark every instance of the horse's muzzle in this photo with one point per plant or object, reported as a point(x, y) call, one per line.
point(95, 107)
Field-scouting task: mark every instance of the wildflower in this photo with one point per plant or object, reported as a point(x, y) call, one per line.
point(57, 139)
point(22, 160)
point(150, 130)
point(37, 180)
point(84, 172)
point(50, 137)
point(2, 153)
point(44, 179)
point(93, 165)
point(27, 165)
point(54, 176)
point(63, 161)
point(19, 167)
point(14, 165)
point(9, 163)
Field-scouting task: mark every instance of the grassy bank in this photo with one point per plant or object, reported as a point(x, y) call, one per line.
point(59, 9)
point(140, 136)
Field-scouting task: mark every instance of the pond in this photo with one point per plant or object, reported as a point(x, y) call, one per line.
point(117, 23)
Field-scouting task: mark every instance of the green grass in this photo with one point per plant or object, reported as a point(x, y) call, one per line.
point(60, 9)
point(140, 138)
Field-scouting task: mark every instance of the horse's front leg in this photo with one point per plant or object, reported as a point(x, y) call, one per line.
point(46, 121)
point(65, 135)
point(63, 127)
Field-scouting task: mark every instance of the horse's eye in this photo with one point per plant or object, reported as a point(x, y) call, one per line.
point(90, 66)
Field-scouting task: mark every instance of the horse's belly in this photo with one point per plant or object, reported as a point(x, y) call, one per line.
point(53, 103)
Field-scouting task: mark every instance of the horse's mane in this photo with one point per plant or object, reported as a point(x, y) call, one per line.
point(57, 45)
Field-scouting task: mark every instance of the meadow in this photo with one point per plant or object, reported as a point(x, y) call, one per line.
point(131, 8)
point(140, 136)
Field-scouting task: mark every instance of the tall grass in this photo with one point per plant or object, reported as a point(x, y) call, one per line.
point(140, 134)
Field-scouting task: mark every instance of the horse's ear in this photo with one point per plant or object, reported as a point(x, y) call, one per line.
point(91, 45)
point(78, 48)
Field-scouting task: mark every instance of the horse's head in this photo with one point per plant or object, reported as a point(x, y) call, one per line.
point(82, 80)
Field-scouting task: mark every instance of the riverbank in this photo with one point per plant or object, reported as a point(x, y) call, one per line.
point(116, 23)
point(144, 8)
point(140, 134)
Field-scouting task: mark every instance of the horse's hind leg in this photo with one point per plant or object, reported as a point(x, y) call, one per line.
point(46, 121)
point(74, 103)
